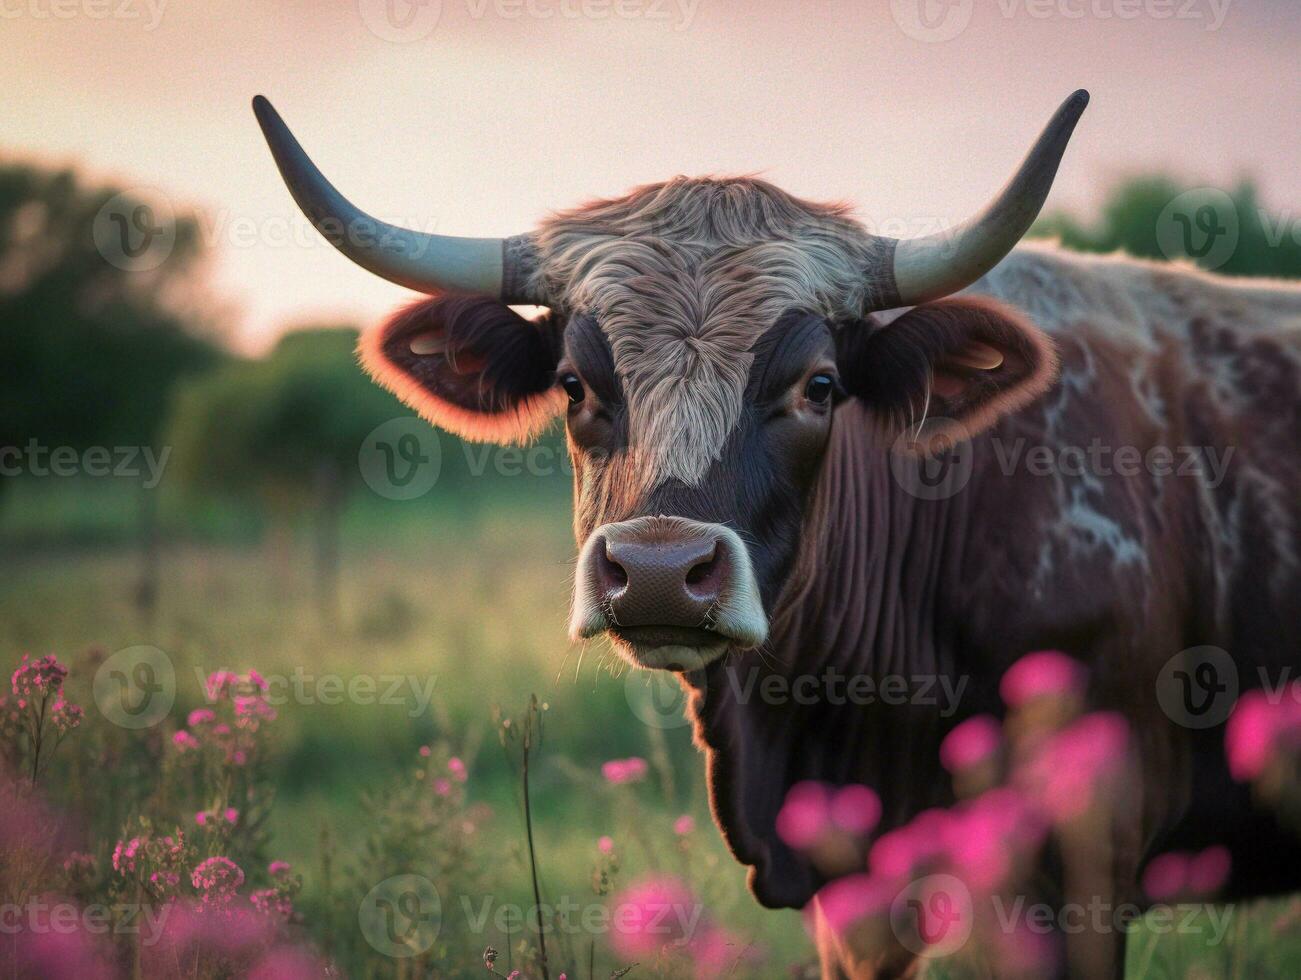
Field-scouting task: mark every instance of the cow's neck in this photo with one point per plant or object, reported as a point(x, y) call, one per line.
point(852, 685)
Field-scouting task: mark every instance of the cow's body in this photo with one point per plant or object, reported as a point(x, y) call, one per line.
point(1122, 571)
point(732, 400)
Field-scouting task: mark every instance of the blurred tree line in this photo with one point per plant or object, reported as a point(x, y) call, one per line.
point(99, 346)
point(1156, 217)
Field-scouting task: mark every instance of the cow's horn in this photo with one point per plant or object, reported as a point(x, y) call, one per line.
point(937, 265)
point(499, 267)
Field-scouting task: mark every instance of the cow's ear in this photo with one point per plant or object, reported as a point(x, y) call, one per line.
point(470, 365)
point(956, 365)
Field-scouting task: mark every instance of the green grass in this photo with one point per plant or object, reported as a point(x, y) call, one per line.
point(474, 600)
point(474, 603)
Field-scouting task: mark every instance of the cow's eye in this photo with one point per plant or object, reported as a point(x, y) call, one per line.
point(573, 388)
point(819, 389)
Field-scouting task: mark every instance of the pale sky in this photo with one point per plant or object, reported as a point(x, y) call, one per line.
point(478, 116)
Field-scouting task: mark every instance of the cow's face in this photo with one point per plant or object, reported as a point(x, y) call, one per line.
point(696, 442)
point(677, 566)
point(701, 335)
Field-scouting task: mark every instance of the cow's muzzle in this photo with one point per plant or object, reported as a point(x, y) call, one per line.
point(672, 593)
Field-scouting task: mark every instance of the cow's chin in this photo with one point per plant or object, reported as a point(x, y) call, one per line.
point(675, 648)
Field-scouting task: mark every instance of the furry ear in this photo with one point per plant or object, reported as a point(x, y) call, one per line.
point(470, 365)
point(950, 368)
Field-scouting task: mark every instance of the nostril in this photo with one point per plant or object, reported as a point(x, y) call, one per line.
point(611, 576)
point(704, 579)
point(698, 573)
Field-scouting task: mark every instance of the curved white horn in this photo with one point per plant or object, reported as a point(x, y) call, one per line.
point(417, 260)
point(937, 265)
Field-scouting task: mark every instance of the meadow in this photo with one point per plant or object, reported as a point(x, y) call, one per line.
point(461, 596)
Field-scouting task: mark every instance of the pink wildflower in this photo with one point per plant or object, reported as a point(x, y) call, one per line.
point(898, 852)
point(624, 770)
point(231, 815)
point(457, 768)
point(124, 855)
point(970, 743)
point(217, 879)
point(270, 902)
point(441, 786)
point(288, 963)
point(184, 741)
point(649, 915)
point(684, 825)
point(200, 716)
point(277, 868)
point(165, 881)
point(985, 834)
point(1073, 765)
point(219, 684)
point(853, 898)
point(65, 715)
point(1047, 672)
point(855, 809)
point(38, 678)
point(425, 751)
point(804, 815)
point(201, 818)
point(1178, 874)
point(1257, 728)
point(1208, 871)
point(605, 844)
point(79, 863)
